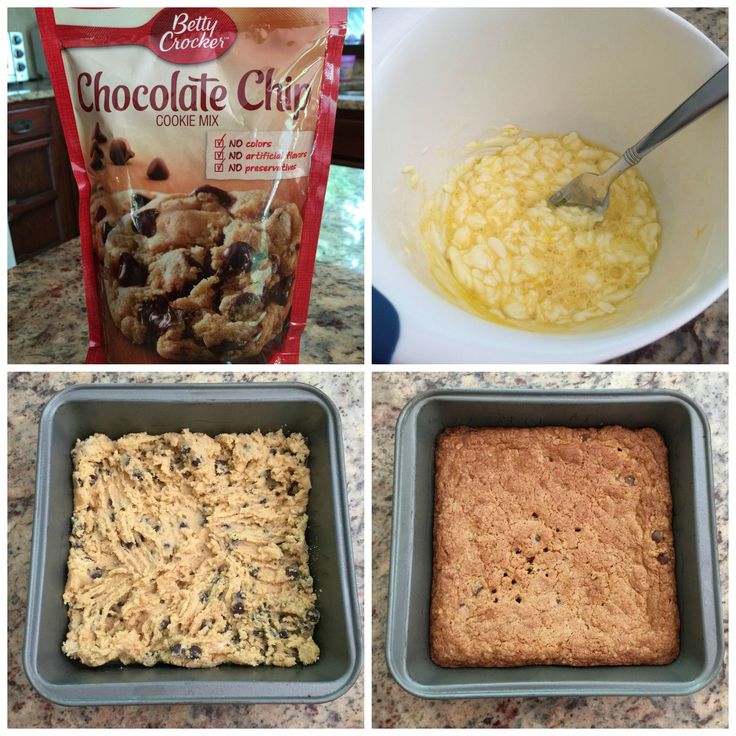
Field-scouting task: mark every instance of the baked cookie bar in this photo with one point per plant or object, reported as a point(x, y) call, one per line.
point(191, 550)
point(552, 545)
point(205, 276)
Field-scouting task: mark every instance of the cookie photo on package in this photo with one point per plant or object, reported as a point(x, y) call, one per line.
point(200, 140)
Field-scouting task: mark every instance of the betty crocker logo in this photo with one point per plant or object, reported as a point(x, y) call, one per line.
point(191, 35)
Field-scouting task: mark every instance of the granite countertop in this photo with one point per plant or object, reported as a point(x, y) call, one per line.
point(395, 708)
point(38, 89)
point(350, 101)
point(27, 395)
point(47, 320)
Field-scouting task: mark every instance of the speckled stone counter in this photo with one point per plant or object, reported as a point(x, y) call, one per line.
point(47, 320)
point(38, 89)
point(27, 395)
point(394, 708)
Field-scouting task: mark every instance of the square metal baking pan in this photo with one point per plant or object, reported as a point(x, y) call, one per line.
point(116, 410)
point(685, 430)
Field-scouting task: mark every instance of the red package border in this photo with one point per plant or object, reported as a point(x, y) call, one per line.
point(57, 37)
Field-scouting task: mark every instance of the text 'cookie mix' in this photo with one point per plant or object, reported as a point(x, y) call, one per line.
point(200, 140)
point(552, 546)
point(190, 550)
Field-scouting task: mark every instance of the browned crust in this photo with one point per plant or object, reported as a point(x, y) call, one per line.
point(574, 523)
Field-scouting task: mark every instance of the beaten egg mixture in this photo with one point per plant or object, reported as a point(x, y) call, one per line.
point(496, 244)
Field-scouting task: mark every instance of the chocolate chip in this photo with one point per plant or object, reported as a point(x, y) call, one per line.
point(313, 616)
point(127, 545)
point(138, 200)
point(293, 489)
point(95, 573)
point(120, 151)
point(144, 222)
point(270, 482)
point(176, 650)
point(157, 170)
point(292, 571)
point(98, 135)
point(225, 199)
point(279, 294)
point(196, 461)
point(585, 437)
point(164, 624)
point(283, 634)
point(131, 272)
point(183, 525)
point(275, 262)
point(253, 571)
point(106, 230)
point(221, 466)
point(663, 558)
point(92, 479)
point(629, 480)
point(657, 535)
point(204, 597)
point(157, 315)
point(195, 652)
point(243, 308)
point(238, 256)
point(237, 608)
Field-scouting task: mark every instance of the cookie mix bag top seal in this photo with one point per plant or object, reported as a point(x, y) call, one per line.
point(200, 139)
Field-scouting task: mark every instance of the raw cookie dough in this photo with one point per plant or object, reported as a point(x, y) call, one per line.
point(205, 276)
point(190, 550)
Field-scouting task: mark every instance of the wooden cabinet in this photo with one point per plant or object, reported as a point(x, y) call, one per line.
point(42, 194)
point(347, 146)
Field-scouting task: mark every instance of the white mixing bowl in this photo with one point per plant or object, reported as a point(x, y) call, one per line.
point(445, 77)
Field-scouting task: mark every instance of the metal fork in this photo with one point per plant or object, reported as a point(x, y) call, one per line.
point(593, 190)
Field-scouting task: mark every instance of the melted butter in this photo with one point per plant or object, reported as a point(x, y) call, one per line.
point(497, 247)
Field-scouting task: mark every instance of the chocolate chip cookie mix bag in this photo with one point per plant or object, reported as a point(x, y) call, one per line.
point(200, 140)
